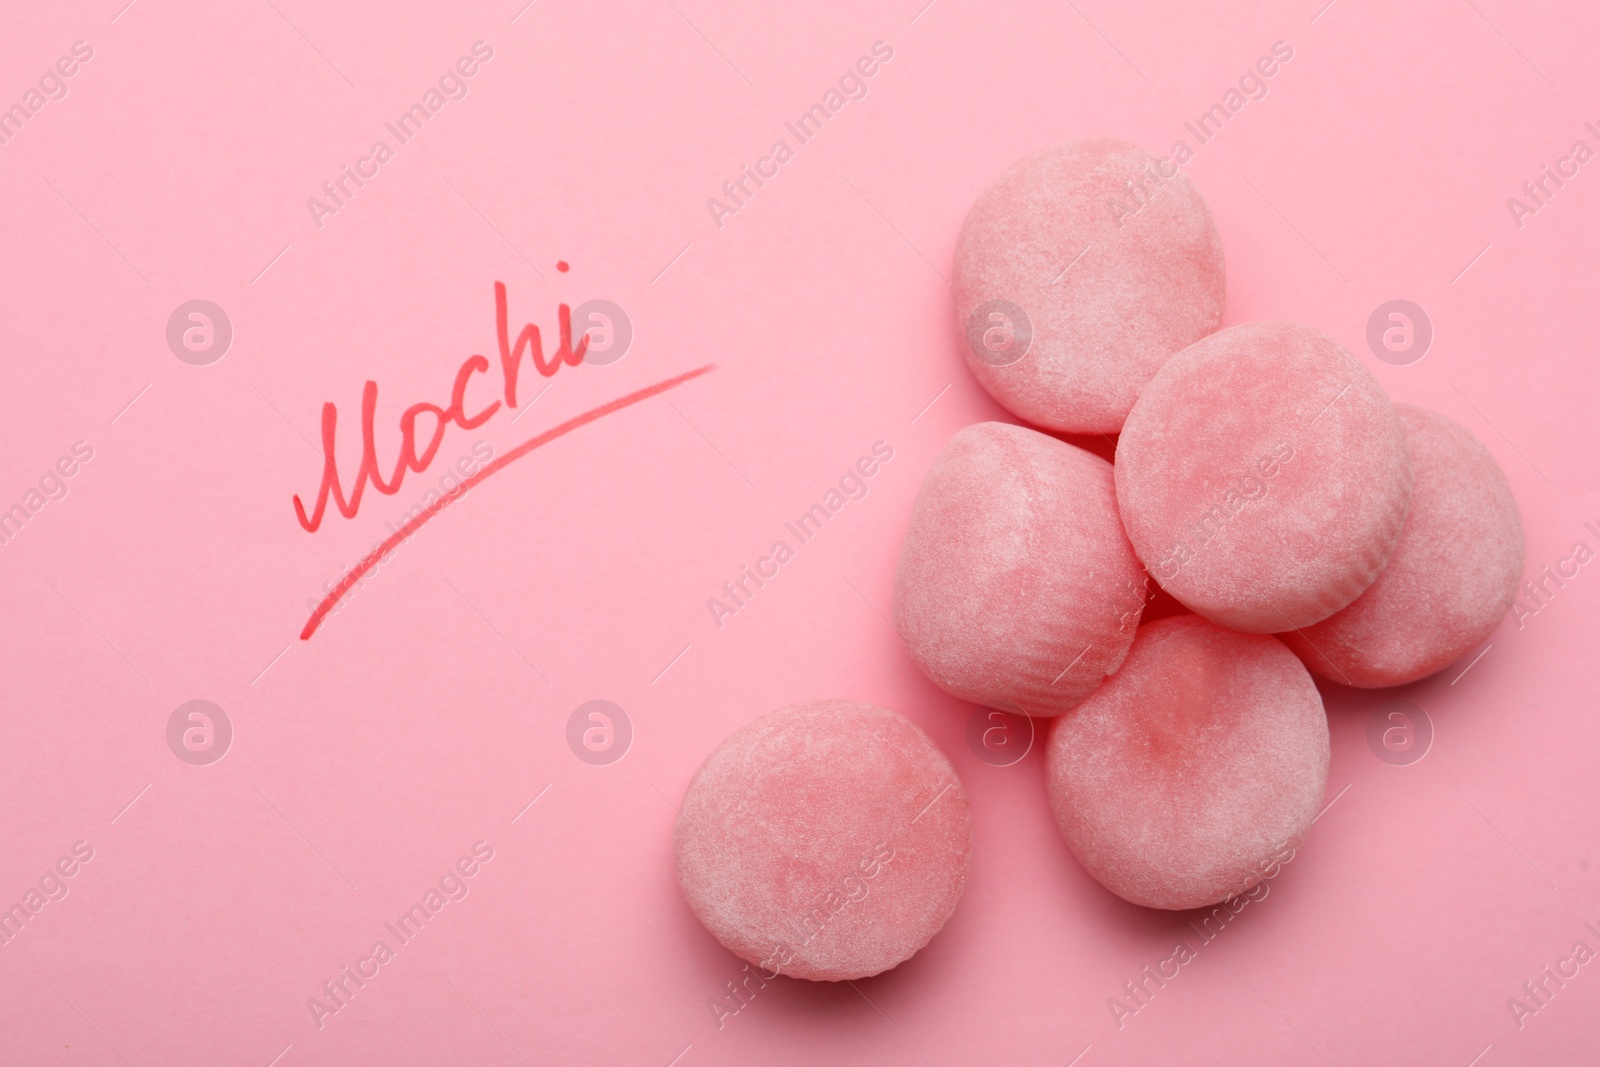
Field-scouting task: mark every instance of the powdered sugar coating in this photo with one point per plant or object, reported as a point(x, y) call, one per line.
point(1017, 587)
point(1452, 576)
point(1203, 758)
point(1146, 278)
point(828, 840)
point(1263, 477)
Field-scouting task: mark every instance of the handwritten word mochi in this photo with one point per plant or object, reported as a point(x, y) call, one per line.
point(1182, 778)
point(1078, 273)
point(1263, 477)
point(1451, 579)
point(828, 840)
point(1017, 587)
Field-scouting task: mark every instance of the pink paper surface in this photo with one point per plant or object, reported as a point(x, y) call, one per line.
point(432, 709)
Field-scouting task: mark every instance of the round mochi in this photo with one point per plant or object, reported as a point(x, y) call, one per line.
point(1195, 770)
point(1451, 579)
point(1078, 273)
point(1263, 477)
point(1017, 587)
point(828, 840)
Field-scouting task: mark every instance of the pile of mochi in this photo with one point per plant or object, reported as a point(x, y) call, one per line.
point(1262, 477)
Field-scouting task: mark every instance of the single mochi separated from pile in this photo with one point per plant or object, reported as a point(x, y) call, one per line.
point(1263, 477)
point(1451, 579)
point(1017, 588)
point(828, 840)
point(1078, 273)
point(1182, 780)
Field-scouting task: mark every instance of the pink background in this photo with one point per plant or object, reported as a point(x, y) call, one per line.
point(429, 712)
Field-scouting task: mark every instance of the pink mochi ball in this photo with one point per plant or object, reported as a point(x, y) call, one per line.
point(1017, 587)
point(828, 840)
point(1078, 273)
point(1263, 477)
point(1194, 770)
point(1451, 579)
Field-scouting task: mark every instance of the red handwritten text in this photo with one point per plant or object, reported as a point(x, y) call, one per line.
point(410, 459)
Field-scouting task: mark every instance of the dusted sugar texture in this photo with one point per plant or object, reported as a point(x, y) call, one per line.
point(1114, 261)
point(828, 840)
point(1451, 579)
point(1017, 587)
point(1190, 772)
point(1263, 477)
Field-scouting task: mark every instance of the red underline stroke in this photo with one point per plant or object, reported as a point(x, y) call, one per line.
point(489, 468)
